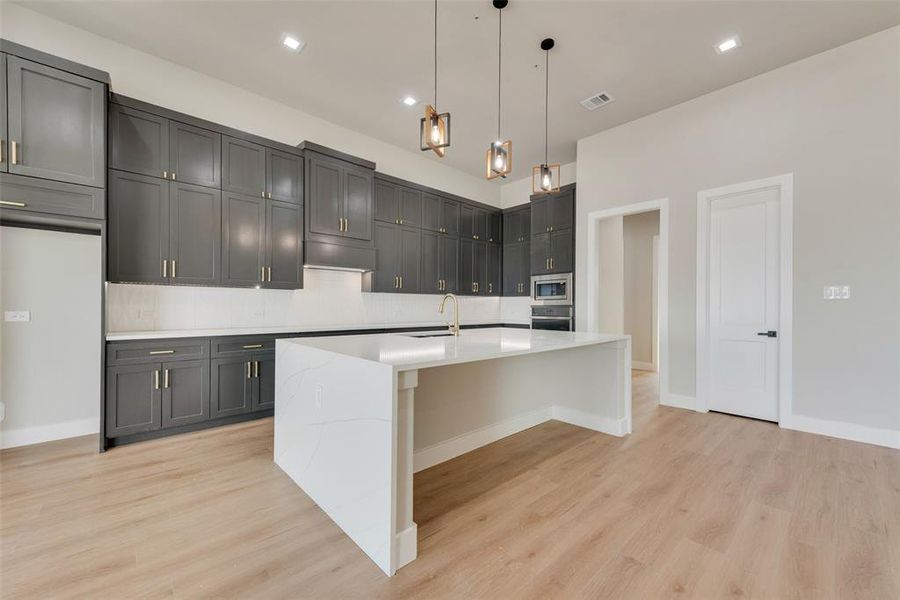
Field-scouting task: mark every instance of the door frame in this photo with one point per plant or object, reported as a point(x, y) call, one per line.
point(785, 185)
point(593, 282)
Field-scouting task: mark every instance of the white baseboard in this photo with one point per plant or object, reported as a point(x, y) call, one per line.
point(617, 427)
point(642, 366)
point(846, 431)
point(440, 452)
point(11, 438)
point(678, 401)
point(407, 546)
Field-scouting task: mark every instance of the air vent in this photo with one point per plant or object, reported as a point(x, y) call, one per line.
point(596, 101)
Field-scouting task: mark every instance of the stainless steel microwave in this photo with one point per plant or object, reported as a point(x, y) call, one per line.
point(552, 289)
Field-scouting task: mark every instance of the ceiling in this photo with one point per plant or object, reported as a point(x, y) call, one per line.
point(363, 57)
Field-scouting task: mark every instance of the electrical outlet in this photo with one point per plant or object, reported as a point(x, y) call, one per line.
point(17, 316)
point(836, 292)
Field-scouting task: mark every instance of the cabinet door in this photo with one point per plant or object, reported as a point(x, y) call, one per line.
point(525, 268)
point(195, 155)
point(512, 227)
point(195, 234)
point(243, 239)
point(138, 241)
point(133, 398)
point(264, 388)
point(4, 151)
point(540, 254)
point(481, 224)
point(387, 257)
point(138, 141)
point(326, 197)
point(410, 249)
point(467, 221)
point(387, 202)
point(512, 263)
point(539, 218)
point(185, 393)
point(57, 122)
point(481, 268)
point(561, 211)
point(467, 276)
point(452, 218)
point(243, 167)
point(494, 269)
point(410, 207)
point(284, 229)
point(431, 258)
point(495, 228)
point(432, 212)
point(561, 251)
point(449, 269)
point(525, 225)
point(358, 203)
point(284, 176)
point(230, 386)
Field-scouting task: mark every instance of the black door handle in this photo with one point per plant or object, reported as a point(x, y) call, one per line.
point(768, 333)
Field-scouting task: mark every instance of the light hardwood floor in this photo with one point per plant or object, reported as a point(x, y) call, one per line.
point(690, 505)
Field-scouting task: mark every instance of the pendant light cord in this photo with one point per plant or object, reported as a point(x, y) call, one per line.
point(499, 68)
point(546, 104)
point(435, 54)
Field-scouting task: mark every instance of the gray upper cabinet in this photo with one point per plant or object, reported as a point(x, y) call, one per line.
point(243, 167)
point(474, 223)
point(410, 249)
point(552, 252)
point(358, 203)
point(387, 202)
point(243, 239)
point(138, 141)
point(195, 155)
point(467, 222)
point(517, 269)
point(138, 222)
point(326, 197)
point(284, 176)
point(284, 245)
point(133, 399)
point(185, 392)
point(397, 259)
point(410, 207)
point(493, 270)
point(452, 217)
point(495, 227)
point(4, 149)
point(467, 273)
point(440, 214)
point(553, 212)
point(195, 234)
point(439, 263)
point(55, 123)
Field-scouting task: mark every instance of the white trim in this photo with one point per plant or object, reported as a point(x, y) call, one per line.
point(572, 416)
point(592, 279)
point(847, 431)
point(11, 438)
point(406, 544)
point(678, 401)
point(643, 366)
point(456, 446)
point(785, 183)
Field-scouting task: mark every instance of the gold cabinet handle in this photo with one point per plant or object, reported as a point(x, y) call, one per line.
point(251, 346)
point(157, 352)
point(256, 369)
point(11, 203)
point(1, 150)
point(490, 288)
point(166, 379)
point(165, 174)
point(346, 225)
point(269, 274)
point(262, 274)
point(173, 267)
point(165, 268)
point(173, 175)
point(13, 152)
point(262, 194)
point(248, 369)
point(551, 263)
point(156, 379)
point(269, 195)
point(401, 282)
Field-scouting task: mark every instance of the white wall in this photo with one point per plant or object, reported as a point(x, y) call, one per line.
point(167, 84)
point(611, 266)
point(833, 120)
point(638, 232)
point(518, 192)
point(50, 366)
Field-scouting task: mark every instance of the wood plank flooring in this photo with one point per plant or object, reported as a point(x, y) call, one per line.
point(690, 506)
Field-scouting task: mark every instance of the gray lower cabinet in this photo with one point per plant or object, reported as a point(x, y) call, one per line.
point(185, 392)
point(56, 124)
point(264, 394)
point(163, 232)
point(4, 151)
point(231, 386)
point(133, 399)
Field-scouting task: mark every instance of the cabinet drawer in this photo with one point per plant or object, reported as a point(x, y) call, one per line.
point(44, 196)
point(235, 346)
point(142, 351)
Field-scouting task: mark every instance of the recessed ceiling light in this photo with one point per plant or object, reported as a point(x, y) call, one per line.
point(409, 101)
point(729, 44)
point(293, 43)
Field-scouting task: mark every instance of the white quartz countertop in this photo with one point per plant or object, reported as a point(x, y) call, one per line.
point(158, 334)
point(403, 351)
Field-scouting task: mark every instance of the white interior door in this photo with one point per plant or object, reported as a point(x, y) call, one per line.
point(743, 303)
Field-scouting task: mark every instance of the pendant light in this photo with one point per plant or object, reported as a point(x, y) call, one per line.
point(434, 127)
point(499, 153)
point(545, 177)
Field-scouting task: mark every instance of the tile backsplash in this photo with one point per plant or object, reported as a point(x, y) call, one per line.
point(328, 298)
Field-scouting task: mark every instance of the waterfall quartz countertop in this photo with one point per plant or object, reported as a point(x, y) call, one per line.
point(406, 351)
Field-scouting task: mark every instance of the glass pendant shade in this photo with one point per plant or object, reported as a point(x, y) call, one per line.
point(499, 159)
point(545, 179)
point(434, 131)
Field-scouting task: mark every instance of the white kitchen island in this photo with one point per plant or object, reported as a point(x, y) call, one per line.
point(356, 416)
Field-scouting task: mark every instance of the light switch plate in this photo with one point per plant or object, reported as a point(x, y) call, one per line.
point(836, 292)
point(17, 316)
